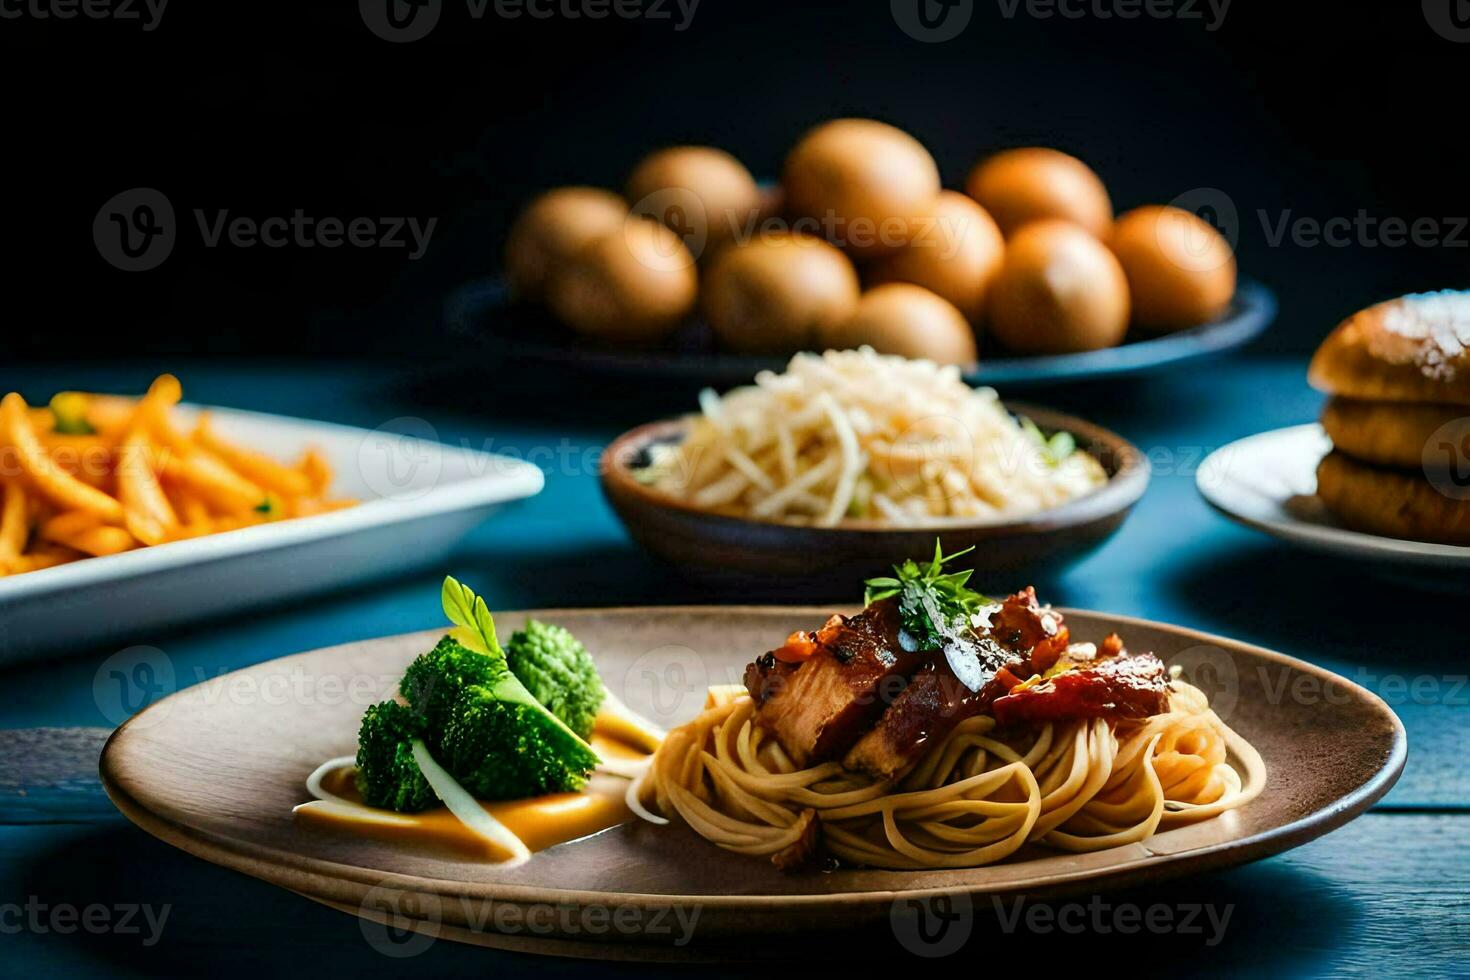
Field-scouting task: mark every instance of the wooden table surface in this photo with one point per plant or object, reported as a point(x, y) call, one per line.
point(83, 891)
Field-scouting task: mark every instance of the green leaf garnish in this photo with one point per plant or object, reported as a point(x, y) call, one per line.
point(1060, 446)
point(468, 610)
point(1054, 449)
point(931, 602)
point(69, 414)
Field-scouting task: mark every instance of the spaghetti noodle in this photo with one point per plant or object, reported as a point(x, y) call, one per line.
point(973, 798)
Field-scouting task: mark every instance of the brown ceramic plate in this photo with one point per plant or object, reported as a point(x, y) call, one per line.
point(821, 562)
point(215, 770)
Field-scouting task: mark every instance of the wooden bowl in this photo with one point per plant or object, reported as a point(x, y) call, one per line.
point(830, 561)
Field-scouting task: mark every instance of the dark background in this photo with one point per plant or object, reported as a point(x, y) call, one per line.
point(1296, 110)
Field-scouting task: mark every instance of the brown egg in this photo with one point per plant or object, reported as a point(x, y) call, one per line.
point(553, 228)
point(861, 184)
point(631, 286)
point(1059, 290)
point(908, 320)
point(1181, 271)
point(956, 255)
point(1033, 183)
point(776, 292)
point(704, 195)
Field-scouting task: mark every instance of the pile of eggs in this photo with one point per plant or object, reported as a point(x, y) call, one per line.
point(860, 244)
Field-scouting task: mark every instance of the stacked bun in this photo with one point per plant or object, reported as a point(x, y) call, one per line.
point(1399, 418)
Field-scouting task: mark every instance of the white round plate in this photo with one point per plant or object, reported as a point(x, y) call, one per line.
point(1269, 482)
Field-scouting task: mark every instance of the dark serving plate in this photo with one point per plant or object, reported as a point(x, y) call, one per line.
point(481, 310)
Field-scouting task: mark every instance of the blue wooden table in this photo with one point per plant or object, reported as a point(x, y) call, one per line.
point(1390, 891)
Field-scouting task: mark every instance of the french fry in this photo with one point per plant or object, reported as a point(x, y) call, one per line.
point(310, 506)
point(110, 415)
point(207, 476)
point(88, 458)
point(188, 506)
point(153, 413)
point(150, 517)
point(256, 467)
point(43, 557)
point(103, 540)
point(50, 479)
point(318, 471)
point(102, 474)
point(14, 520)
point(85, 533)
point(67, 524)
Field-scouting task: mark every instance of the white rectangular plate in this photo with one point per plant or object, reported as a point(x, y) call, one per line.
point(419, 498)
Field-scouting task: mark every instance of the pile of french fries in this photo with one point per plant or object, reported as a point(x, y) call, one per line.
point(97, 475)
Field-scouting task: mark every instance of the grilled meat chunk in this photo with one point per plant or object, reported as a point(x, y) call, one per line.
point(1022, 638)
point(1119, 686)
point(818, 707)
point(932, 704)
point(1024, 625)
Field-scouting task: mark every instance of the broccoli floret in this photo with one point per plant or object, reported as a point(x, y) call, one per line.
point(479, 719)
point(559, 672)
point(433, 681)
point(489, 731)
point(503, 749)
point(387, 775)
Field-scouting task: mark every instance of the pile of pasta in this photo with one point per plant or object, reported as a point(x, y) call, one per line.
point(973, 799)
point(856, 435)
point(94, 475)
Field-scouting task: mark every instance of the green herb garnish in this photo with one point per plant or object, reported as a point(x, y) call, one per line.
point(69, 412)
point(931, 602)
point(1054, 449)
